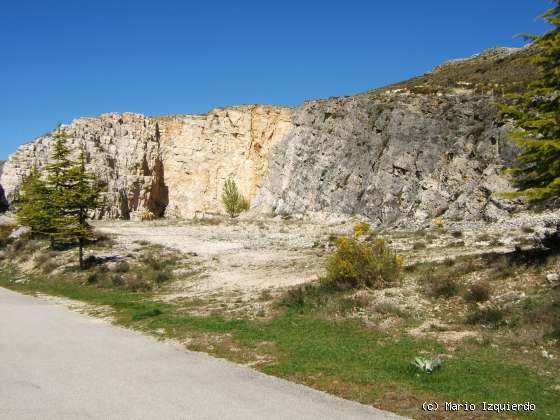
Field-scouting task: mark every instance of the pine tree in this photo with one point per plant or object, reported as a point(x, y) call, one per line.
point(536, 113)
point(82, 198)
point(60, 183)
point(232, 199)
point(74, 194)
point(34, 208)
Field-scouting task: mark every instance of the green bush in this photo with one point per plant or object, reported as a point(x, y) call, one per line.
point(232, 199)
point(122, 267)
point(478, 292)
point(357, 264)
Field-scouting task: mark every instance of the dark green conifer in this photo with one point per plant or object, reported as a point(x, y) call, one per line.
point(34, 208)
point(80, 201)
point(75, 193)
point(536, 113)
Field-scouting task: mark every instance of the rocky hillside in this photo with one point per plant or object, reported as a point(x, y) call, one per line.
point(171, 166)
point(431, 146)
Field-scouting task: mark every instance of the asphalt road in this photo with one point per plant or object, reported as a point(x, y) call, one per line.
point(59, 364)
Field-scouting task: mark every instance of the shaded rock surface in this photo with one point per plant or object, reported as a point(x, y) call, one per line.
point(392, 156)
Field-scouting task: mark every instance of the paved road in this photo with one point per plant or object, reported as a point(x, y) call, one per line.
point(58, 364)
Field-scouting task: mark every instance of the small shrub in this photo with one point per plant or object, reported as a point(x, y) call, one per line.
point(446, 288)
point(440, 283)
point(162, 276)
point(297, 296)
point(92, 278)
point(103, 240)
point(478, 292)
point(122, 267)
point(361, 229)
point(487, 316)
point(233, 201)
point(439, 222)
point(503, 267)
point(356, 264)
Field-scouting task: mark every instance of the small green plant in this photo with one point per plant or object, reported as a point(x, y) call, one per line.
point(122, 267)
point(426, 365)
point(232, 199)
point(357, 264)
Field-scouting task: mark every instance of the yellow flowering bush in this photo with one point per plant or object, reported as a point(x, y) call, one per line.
point(357, 264)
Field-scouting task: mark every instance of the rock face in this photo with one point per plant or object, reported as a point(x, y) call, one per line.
point(392, 156)
point(423, 148)
point(173, 166)
point(201, 152)
point(122, 149)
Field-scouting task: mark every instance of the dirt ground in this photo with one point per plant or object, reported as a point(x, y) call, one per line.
point(244, 257)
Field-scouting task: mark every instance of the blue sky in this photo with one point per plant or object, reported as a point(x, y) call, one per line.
point(63, 59)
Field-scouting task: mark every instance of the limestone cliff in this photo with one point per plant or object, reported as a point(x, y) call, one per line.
point(393, 156)
point(427, 147)
point(431, 146)
point(172, 166)
point(200, 152)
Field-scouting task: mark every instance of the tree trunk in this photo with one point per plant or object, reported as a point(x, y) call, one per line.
point(81, 246)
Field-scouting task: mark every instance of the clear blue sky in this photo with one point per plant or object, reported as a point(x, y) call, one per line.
point(61, 59)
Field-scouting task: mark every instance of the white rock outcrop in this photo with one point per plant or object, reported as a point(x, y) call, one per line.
point(170, 166)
